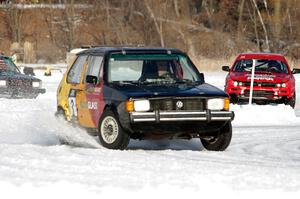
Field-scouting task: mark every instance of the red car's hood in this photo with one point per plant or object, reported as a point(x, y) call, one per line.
point(259, 77)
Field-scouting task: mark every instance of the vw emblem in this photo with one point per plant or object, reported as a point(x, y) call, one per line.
point(179, 104)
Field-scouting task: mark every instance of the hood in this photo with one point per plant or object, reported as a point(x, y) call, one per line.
point(17, 76)
point(167, 90)
point(260, 77)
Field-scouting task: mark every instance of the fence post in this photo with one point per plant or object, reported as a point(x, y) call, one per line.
point(252, 81)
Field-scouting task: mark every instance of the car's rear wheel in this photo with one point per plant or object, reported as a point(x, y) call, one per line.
point(220, 141)
point(111, 134)
point(60, 113)
point(33, 96)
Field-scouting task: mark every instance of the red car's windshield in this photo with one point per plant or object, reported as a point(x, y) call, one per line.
point(262, 65)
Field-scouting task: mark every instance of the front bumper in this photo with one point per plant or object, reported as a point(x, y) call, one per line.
point(172, 116)
point(261, 92)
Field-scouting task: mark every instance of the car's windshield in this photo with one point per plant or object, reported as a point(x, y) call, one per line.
point(262, 65)
point(6, 65)
point(151, 68)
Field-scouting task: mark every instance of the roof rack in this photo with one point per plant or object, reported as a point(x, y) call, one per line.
point(117, 45)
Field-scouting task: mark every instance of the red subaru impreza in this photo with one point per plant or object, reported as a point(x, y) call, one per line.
point(273, 79)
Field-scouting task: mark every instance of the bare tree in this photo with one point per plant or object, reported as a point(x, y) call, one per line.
point(277, 21)
point(240, 20)
point(263, 25)
point(14, 23)
point(69, 17)
point(62, 26)
point(158, 24)
point(252, 15)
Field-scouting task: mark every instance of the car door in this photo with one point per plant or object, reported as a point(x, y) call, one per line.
point(74, 84)
point(91, 101)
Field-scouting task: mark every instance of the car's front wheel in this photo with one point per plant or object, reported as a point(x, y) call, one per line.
point(111, 134)
point(220, 141)
point(291, 101)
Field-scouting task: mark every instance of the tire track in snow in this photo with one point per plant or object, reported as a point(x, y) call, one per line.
point(247, 148)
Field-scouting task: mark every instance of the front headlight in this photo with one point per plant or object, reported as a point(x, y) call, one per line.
point(137, 105)
point(218, 104)
point(141, 105)
point(36, 84)
point(3, 83)
point(279, 85)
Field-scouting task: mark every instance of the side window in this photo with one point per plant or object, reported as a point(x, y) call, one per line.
point(187, 71)
point(94, 65)
point(75, 72)
point(284, 68)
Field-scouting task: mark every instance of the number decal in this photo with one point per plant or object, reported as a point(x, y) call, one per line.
point(72, 103)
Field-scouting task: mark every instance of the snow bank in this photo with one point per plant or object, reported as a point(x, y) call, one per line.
point(264, 115)
point(32, 121)
point(74, 190)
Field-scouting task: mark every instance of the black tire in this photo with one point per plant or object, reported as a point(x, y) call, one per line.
point(111, 133)
point(292, 101)
point(60, 113)
point(219, 142)
point(234, 99)
point(32, 96)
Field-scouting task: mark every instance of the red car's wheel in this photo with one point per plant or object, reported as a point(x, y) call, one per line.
point(291, 101)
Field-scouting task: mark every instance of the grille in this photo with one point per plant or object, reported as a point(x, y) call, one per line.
point(259, 93)
point(262, 84)
point(20, 83)
point(171, 104)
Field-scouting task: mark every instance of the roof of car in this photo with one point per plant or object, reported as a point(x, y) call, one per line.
point(130, 50)
point(261, 56)
point(3, 56)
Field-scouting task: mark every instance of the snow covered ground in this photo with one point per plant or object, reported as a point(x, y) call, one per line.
point(262, 160)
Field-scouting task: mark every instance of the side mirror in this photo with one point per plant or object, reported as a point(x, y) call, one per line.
point(202, 76)
point(296, 71)
point(226, 68)
point(28, 71)
point(91, 79)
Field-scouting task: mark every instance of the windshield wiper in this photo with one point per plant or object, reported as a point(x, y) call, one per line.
point(187, 81)
point(183, 81)
point(123, 82)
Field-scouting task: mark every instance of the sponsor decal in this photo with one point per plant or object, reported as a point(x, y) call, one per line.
point(97, 90)
point(93, 105)
point(90, 90)
point(89, 105)
point(261, 77)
